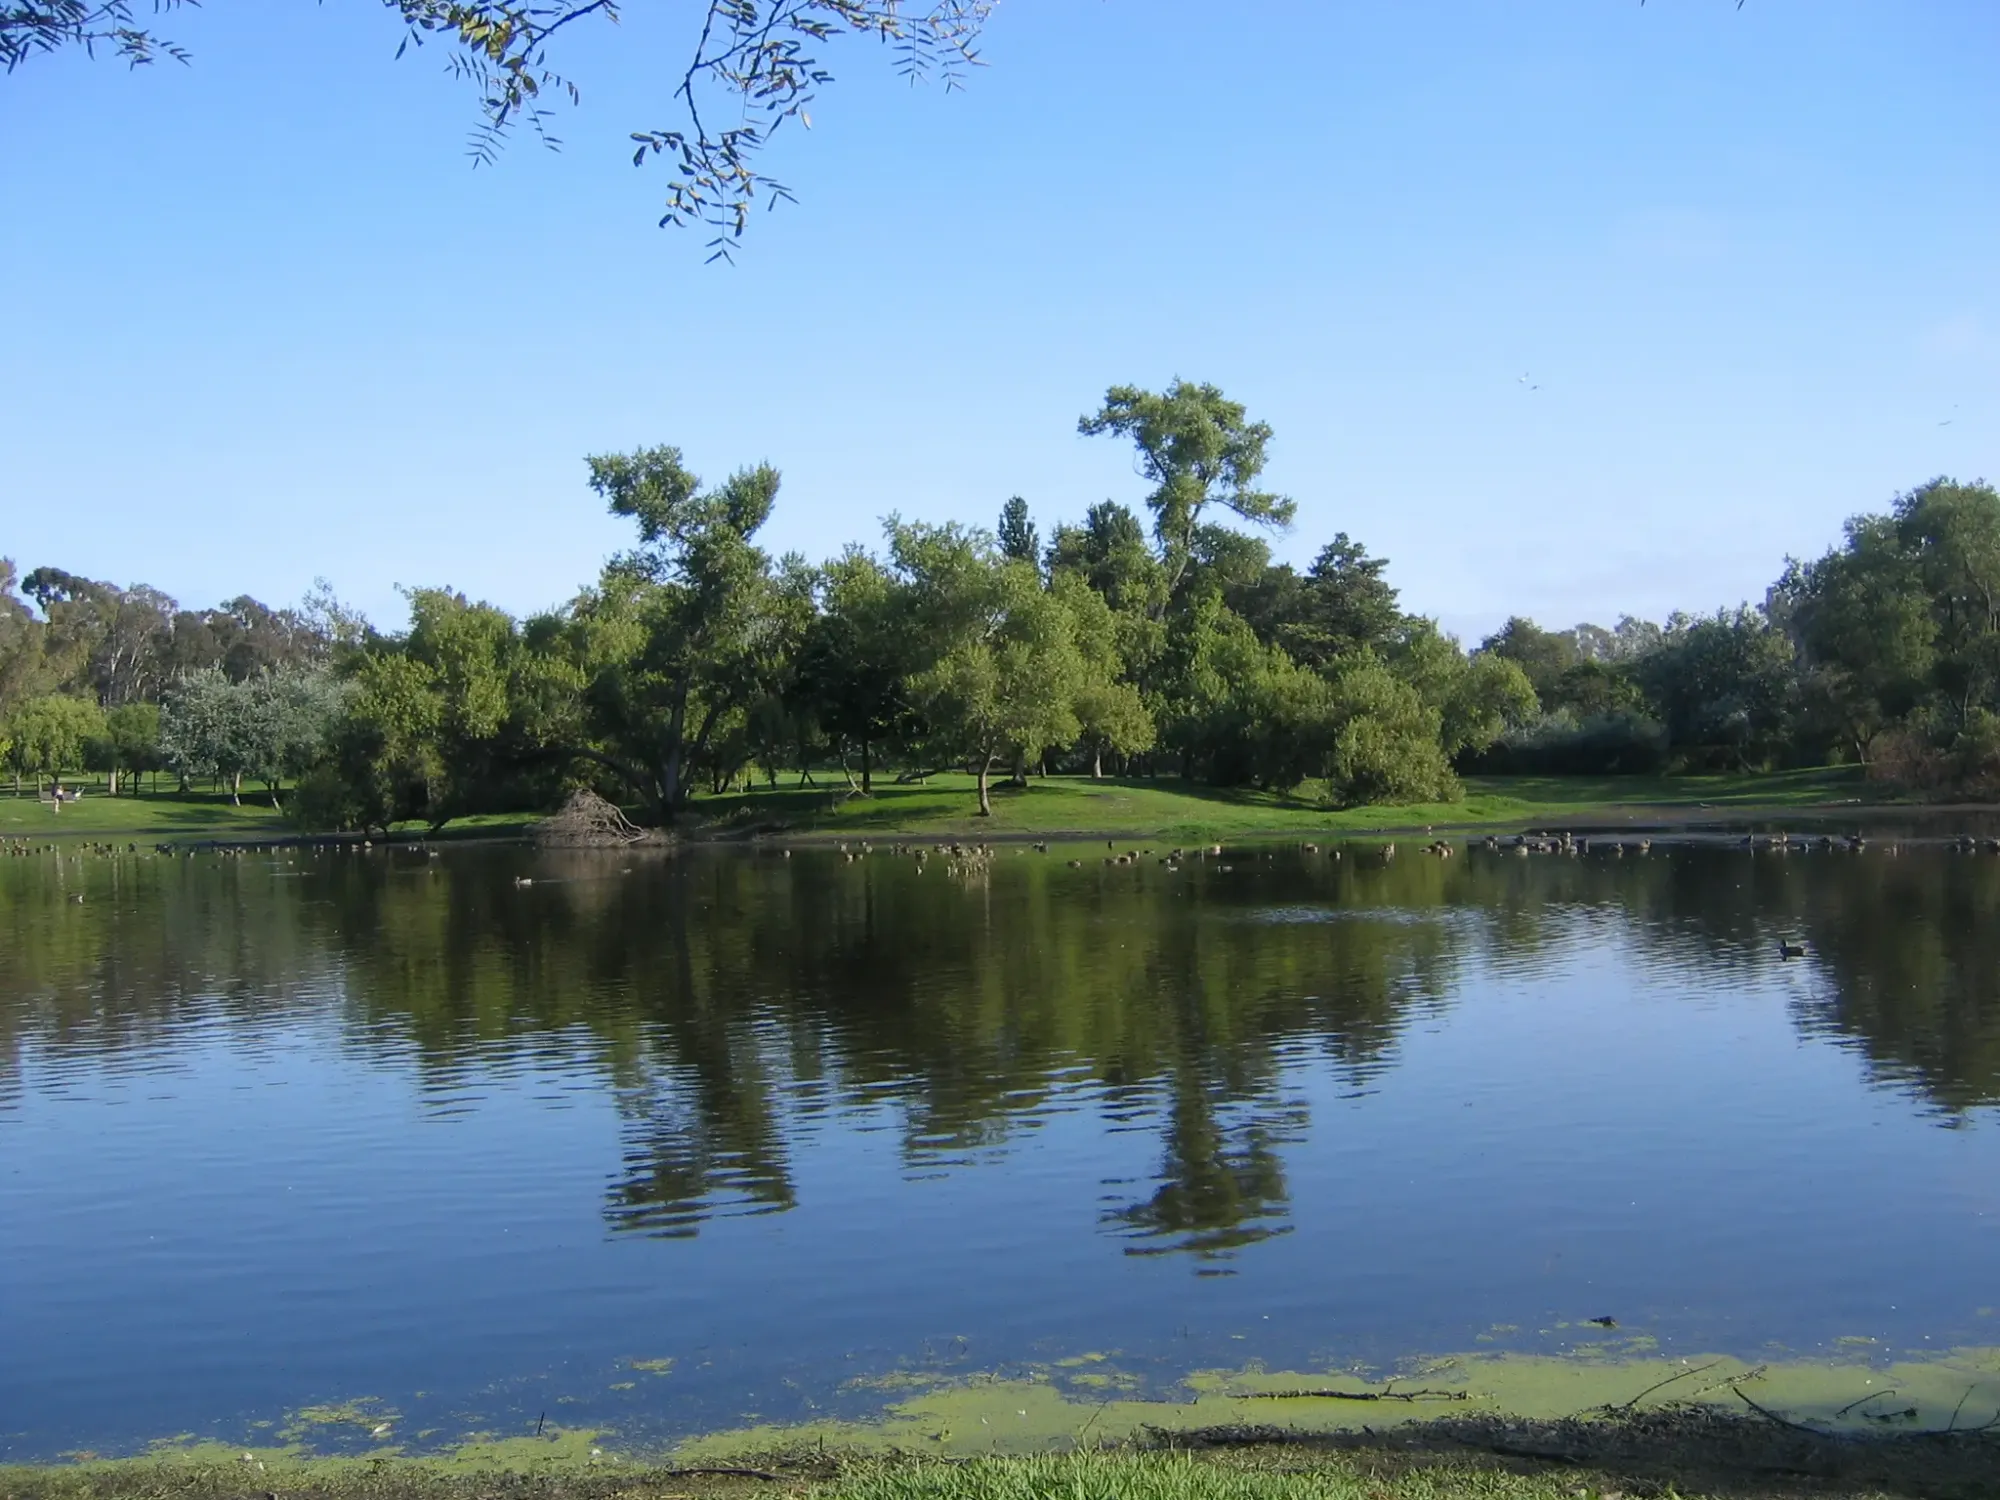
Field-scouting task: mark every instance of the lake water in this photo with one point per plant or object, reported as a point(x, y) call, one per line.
point(670, 1144)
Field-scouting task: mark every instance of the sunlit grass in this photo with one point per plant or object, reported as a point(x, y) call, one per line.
point(1169, 808)
point(948, 804)
point(151, 815)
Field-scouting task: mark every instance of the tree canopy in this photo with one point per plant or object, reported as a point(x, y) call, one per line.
point(696, 661)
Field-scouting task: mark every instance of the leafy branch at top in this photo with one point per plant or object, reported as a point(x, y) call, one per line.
point(755, 65)
point(28, 27)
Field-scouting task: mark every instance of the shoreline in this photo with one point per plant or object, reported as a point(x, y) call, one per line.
point(1479, 1427)
point(1674, 822)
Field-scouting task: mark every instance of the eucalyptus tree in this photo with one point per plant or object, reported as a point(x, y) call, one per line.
point(100, 638)
point(1201, 452)
point(754, 65)
point(22, 662)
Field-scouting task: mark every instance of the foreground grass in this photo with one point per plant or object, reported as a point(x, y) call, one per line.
point(1178, 1476)
point(1274, 1472)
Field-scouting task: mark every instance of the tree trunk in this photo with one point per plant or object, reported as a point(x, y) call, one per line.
point(670, 780)
point(985, 797)
point(113, 783)
point(1096, 762)
point(1020, 769)
point(235, 788)
point(867, 769)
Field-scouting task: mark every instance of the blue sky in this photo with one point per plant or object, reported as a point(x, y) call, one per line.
point(265, 324)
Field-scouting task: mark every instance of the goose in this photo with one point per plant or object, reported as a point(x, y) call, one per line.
point(1791, 948)
point(521, 880)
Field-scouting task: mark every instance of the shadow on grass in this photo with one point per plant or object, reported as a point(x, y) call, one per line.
point(1677, 1449)
point(1067, 802)
point(1775, 789)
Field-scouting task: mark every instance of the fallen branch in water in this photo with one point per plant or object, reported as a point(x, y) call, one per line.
point(1425, 1395)
point(1770, 1416)
point(1660, 1385)
point(1894, 1390)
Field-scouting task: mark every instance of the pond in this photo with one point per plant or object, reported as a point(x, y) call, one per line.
point(664, 1144)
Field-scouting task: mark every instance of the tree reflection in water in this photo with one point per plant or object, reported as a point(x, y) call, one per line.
point(731, 1002)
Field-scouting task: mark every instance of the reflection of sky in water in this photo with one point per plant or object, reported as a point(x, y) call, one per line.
point(261, 1200)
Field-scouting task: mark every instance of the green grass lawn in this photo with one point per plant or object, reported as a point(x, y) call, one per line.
point(156, 815)
point(947, 806)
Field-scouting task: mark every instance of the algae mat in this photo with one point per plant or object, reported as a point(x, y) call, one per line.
point(1090, 1401)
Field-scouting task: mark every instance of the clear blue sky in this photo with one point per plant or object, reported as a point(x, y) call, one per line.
point(263, 323)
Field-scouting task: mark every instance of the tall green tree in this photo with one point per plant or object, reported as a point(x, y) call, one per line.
point(1017, 535)
point(132, 741)
point(1111, 714)
point(857, 652)
point(682, 631)
point(1952, 531)
point(1862, 622)
point(1201, 452)
point(1723, 685)
point(23, 669)
point(1005, 680)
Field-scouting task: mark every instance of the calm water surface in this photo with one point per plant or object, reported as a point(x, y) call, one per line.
point(667, 1144)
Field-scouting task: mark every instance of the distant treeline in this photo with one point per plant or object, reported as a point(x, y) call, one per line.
point(697, 662)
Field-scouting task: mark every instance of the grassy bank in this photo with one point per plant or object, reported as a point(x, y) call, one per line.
point(1611, 1417)
point(155, 815)
point(1221, 1467)
point(947, 806)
